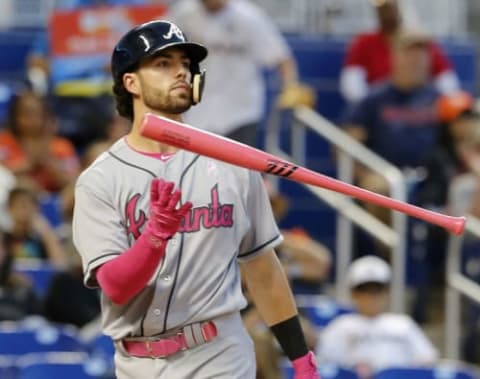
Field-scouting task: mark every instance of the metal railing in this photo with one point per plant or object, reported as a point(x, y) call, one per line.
point(458, 284)
point(349, 213)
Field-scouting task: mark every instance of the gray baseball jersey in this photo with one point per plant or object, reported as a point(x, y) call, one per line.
point(199, 278)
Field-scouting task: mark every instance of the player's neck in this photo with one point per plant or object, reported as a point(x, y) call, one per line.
point(147, 145)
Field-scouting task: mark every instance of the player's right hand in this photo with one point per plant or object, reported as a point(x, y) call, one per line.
point(164, 217)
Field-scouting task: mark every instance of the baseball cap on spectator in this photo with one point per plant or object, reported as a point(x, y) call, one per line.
point(411, 37)
point(368, 269)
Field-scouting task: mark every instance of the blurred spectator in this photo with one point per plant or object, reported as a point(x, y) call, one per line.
point(80, 91)
point(242, 40)
point(471, 156)
point(373, 339)
point(29, 147)
point(458, 117)
point(7, 182)
point(447, 160)
point(31, 236)
point(369, 58)
point(397, 120)
point(17, 297)
point(306, 261)
point(67, 299)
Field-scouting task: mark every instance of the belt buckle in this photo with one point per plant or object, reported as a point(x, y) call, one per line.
point(181, 347)
point(179, 337)
point(150, 350)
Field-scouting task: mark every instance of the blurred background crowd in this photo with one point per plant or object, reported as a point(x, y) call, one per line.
point(378, 93)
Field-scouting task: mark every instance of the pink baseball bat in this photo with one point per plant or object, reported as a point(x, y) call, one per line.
point(214, 146)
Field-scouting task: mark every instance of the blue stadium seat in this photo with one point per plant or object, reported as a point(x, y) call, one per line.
point(440, 372)
point(60, 366)
point(8, 369)
point(51, 209)
point(101, 348)
point(102, 345)
point(39, 272)
point(16, 341)
point(320, 310)
point(326, 371)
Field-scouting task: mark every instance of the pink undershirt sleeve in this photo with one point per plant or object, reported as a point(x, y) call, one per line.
point(126, 275)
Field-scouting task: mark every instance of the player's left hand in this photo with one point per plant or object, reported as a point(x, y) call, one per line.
point(305, 367)
point(295, 94)
point(165, 218)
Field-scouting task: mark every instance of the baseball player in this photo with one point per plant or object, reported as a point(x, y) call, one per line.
point(163, 233)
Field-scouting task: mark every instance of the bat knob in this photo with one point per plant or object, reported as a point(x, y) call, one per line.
point(458, 225)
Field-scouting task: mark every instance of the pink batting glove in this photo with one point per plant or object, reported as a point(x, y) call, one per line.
point(164, 219)
point(305, 367)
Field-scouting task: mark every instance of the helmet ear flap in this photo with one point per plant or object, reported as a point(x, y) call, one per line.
point(198, 82)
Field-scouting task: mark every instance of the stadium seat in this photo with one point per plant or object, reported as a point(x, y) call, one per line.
point(102, 345)
point(326, 371)
point(39, 272)
point(320, 310)
point(17, 340)
point(65, 365)
point(440, 372)
point(102, 348)
point(8, 368)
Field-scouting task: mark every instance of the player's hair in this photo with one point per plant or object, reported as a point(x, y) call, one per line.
point(123, 99)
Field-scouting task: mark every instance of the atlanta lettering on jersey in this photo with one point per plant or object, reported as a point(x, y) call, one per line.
point(213, 215)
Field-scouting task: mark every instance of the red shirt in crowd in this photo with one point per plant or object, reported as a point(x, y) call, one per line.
point(372, 52)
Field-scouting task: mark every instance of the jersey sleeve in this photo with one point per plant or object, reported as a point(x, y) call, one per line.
point(98, 232)
point(263, 233)
point(356, 53)
point(439, 61)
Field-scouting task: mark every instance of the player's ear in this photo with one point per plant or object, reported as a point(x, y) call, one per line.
point(131, 83)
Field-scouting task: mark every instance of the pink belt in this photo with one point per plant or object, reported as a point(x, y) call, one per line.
point(162, 347)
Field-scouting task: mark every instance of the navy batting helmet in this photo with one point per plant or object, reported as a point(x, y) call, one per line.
point(149, 38)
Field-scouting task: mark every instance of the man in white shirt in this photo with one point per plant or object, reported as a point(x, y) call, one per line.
point(373, 339)
point(241, 40)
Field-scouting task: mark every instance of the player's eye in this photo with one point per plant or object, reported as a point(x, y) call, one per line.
point(162, 63)
point(186, 64)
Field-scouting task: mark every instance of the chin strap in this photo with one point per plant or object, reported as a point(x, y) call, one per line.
point(198, 82)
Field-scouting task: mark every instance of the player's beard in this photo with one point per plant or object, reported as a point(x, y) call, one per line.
point(165, 101)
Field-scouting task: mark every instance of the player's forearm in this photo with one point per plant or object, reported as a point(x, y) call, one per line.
point(269, 288)
point(125, 276)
